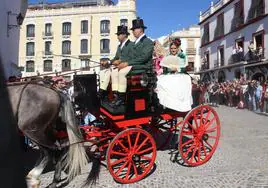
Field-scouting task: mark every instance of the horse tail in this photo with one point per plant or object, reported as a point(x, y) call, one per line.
point(93, 175)
point(76, 157)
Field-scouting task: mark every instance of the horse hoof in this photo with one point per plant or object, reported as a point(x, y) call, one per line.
point(33, 183)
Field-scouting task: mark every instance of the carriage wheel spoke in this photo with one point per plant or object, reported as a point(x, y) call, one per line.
point(122, 145)
point(204, 148)
point(201, 117)
point(213, 137)
point(189, 124)
point(195, 120)
point(135, 169)
point(144, 151)
point(186, 143)
point(142, 144)
point(189, 149)
point(210, 123)
point(207, 116)
point(193, 154)
point(118, 161)
point(199, 153)
point(187, 133)
point(137, 140)
point(121, 168)
point(211, 129)
point(129, 141)
point(210, 146)
point(128, 171)
point(118, 153)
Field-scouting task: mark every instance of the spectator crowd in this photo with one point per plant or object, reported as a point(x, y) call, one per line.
point(241, 94)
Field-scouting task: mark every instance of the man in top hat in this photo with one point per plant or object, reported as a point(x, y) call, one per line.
point(119, 80)
point(142, 51)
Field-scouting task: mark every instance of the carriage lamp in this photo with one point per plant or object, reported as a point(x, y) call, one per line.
point(144, 80)
point(19, 19)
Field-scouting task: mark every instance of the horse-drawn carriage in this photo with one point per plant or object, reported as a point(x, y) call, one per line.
point(128, 137)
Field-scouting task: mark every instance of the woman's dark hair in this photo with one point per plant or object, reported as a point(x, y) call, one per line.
point(176, 42)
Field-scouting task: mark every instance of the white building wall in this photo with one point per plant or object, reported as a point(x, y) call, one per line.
point(9, 45)
point(229, 40)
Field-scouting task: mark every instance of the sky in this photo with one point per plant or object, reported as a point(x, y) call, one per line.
point(164, 16)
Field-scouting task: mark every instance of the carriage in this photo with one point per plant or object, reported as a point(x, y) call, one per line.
point(129, 136)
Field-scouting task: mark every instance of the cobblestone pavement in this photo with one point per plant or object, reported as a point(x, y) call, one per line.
point(241, 159)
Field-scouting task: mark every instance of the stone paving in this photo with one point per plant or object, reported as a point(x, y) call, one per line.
point(241, 160)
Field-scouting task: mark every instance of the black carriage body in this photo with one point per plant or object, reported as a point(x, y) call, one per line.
point(85, 87)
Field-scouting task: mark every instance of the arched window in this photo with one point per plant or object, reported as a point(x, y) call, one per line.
point(66, 28)
point(105, 27)
point(47, 65)
point(105, 46)
point(30, 30)
point(66, 65)
point(30, 66)
point(84, 26)
point(84, 46)
point(30, 49)
point(66, 47)
point(124, 22)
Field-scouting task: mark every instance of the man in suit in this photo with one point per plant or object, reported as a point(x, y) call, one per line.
point(118, 75)
point(142, 52)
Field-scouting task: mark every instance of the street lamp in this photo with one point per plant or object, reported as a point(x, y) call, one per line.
point(19, 19)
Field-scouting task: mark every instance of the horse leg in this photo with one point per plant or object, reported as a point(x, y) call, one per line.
point(34, 175)
point(58, 156)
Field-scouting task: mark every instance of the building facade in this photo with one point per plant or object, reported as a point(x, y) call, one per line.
point(234, 40)
point(190, 44)
point(12, 14)
point(62, 37)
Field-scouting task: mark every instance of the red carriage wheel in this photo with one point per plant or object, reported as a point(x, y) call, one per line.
point(199, 135)
point(131, 155)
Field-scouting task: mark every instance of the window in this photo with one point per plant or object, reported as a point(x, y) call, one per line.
point(30, 49)
point(84, 63)
point(238, 18)
point(258, 39)
point(205, 37)
point(66, 47)
point(205, 61)
point(219, 31)
point(66, 28)
point(47, 66)
point(84, 45)
point(220, 54)
point(48, 48)
point(84, 27)
point(30, 30)
point(66, 65)
point(48, 29)
point(124, 22)
point(30, 66)
point(256, 9)
point(105, 26)
point(105, 46)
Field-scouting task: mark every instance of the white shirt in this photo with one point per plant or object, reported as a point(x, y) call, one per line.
point(138, 39)
point(123, 44)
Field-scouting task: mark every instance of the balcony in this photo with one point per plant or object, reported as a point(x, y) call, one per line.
point(105, 51)
point(105, 32)
point(30, 54)
point(30, 36)
point(236, 58)
point(191, 51)
point(66, 53)
point(205, 66)
point(47, 54)
point(66, 34)
point(47, 35)
point(218, 63)
point(64, 69)
point(256, 56)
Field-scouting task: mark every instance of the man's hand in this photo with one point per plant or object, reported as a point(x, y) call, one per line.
point(122, 65)
point(116, 62)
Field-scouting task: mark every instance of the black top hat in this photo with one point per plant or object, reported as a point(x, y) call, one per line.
point(138, 23)
point(122, 30)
